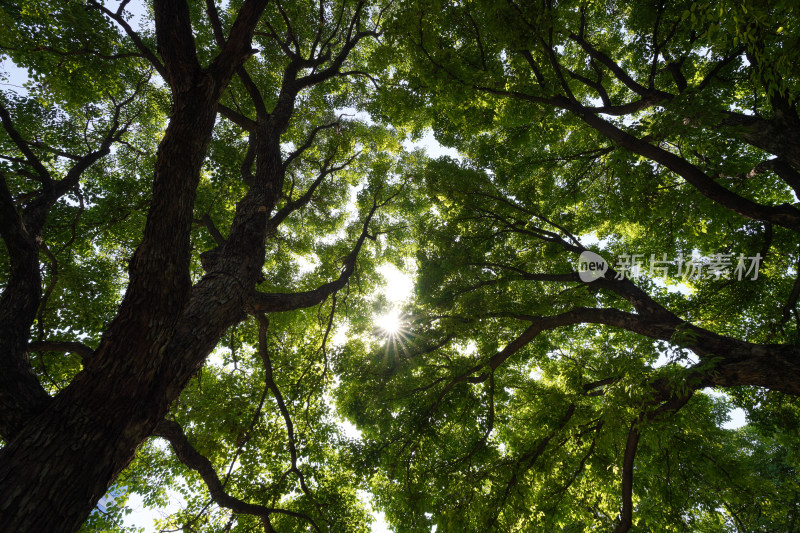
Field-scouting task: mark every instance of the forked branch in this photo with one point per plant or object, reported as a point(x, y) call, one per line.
point(189, 456)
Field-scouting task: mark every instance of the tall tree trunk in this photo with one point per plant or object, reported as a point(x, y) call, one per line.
point(60, 462)
point(55, 470)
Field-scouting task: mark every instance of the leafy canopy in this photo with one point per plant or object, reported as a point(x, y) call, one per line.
point(514, 396)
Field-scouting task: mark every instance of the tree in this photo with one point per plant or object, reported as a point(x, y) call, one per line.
point(530, 398)
point(190, 209)
point(119, 151)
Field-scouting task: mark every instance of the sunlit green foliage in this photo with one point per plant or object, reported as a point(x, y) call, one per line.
point(470, 420)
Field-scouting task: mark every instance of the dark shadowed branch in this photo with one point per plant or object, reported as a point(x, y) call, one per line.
point(260, 302)
point(263, 325)
point(188, 455)
point(62, 346)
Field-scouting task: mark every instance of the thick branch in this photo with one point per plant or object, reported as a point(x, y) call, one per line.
point(779, 136)
point(783, 170)
point(238, 45)
point(137, 40)
point(176, 43)
point(528, 459)
point(260, 302)
point(240, 120)
point(23, 146)
point(672, 404)
point(189, 456)
point(21, 394)
point(212, 229)
point(287, 418)
point(618, 71)
point(783, 215)
point(61, 346)
point(741, 363)
point(293, 205)
point(309, 141)
point(292, 85)
point(626, 516)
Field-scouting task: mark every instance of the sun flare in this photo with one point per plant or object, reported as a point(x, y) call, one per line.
point(391, 323)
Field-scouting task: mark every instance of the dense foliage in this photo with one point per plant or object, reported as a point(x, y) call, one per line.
point(196, 200)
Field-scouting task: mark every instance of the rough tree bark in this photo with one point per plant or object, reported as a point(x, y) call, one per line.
point(59, 462)
point(62, 453)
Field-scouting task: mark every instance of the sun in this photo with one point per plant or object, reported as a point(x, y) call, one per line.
point(391, 323)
